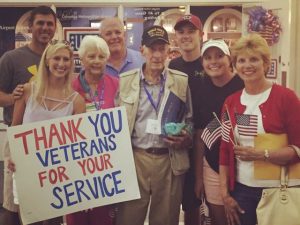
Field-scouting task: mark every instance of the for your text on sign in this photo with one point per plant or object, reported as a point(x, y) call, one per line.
point(73, 163)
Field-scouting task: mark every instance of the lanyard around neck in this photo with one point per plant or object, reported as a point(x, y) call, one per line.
point(161, 90)
point(97, 99)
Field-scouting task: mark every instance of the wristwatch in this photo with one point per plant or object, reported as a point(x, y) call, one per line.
point(266, 155)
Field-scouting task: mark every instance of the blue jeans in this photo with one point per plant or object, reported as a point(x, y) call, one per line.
point(248, 198)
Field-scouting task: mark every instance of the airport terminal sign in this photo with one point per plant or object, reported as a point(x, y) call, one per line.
point(73, 163)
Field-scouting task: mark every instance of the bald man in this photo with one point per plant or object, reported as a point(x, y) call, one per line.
point(122, 59)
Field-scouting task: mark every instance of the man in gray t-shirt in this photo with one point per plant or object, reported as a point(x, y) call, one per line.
point(16, 68)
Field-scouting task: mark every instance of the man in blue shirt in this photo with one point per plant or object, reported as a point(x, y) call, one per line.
point(122, 59)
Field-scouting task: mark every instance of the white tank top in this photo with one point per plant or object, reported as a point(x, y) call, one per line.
point(36, 112)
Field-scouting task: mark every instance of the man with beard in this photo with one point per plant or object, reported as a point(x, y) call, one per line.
point(17, 67)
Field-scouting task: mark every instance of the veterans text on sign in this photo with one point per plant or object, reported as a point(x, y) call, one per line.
point(73, 163)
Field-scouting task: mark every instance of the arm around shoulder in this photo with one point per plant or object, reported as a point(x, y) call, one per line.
point(6, 99)
point(20, 105)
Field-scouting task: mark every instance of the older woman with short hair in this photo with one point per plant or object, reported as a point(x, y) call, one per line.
point(269, 109)
point(98, 90)
point(93, 84)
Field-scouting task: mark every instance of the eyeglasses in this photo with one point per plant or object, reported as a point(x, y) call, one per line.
point(55, 41)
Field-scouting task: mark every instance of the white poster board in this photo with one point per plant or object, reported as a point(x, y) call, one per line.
point(73, 163)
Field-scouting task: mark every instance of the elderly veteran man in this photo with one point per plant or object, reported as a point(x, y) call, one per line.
point(161, 160)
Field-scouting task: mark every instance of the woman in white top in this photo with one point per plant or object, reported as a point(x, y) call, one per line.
point(261, 110)
point(50, 95)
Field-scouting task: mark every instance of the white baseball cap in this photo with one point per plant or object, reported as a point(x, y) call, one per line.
point(218, 43)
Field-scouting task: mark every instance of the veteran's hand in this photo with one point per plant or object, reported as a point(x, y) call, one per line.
point(183, 140)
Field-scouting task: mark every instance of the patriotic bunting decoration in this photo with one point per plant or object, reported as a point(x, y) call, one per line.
point(211, 133)
point(265, 23)
point(246, 124)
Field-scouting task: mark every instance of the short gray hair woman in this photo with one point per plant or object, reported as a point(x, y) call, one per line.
point(91, 42)
point(98, 90)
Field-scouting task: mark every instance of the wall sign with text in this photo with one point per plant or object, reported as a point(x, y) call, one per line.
point(75, 34)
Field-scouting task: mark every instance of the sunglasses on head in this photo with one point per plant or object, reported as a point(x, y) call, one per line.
point(54, 42)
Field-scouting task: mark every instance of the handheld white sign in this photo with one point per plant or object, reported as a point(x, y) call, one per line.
point(73, 163)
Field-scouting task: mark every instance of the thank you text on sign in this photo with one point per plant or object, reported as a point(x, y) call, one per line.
point(73, 163)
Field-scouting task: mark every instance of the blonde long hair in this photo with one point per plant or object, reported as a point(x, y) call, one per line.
point(44, 73)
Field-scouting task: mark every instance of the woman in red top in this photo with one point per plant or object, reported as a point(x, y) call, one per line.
point(260, 108)
point(98, 90)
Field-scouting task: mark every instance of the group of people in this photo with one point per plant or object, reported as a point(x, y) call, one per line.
point(216, 85)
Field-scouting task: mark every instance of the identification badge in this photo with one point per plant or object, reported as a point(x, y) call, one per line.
point(90, 107)
point(153, 127)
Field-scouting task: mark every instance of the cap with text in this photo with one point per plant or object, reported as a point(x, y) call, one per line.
point(219, 43)
point(189, 18)
point(153, 34)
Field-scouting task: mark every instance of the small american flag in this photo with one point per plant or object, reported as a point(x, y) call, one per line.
point(226, 127)
point(211, 133)
point(246, 124)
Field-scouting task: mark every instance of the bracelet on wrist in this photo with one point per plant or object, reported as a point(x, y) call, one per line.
point(266, 155)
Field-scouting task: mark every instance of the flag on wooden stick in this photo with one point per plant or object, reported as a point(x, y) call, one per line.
point(211, 133)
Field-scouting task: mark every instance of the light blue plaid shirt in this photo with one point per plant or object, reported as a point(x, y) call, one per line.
point(133, 60)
